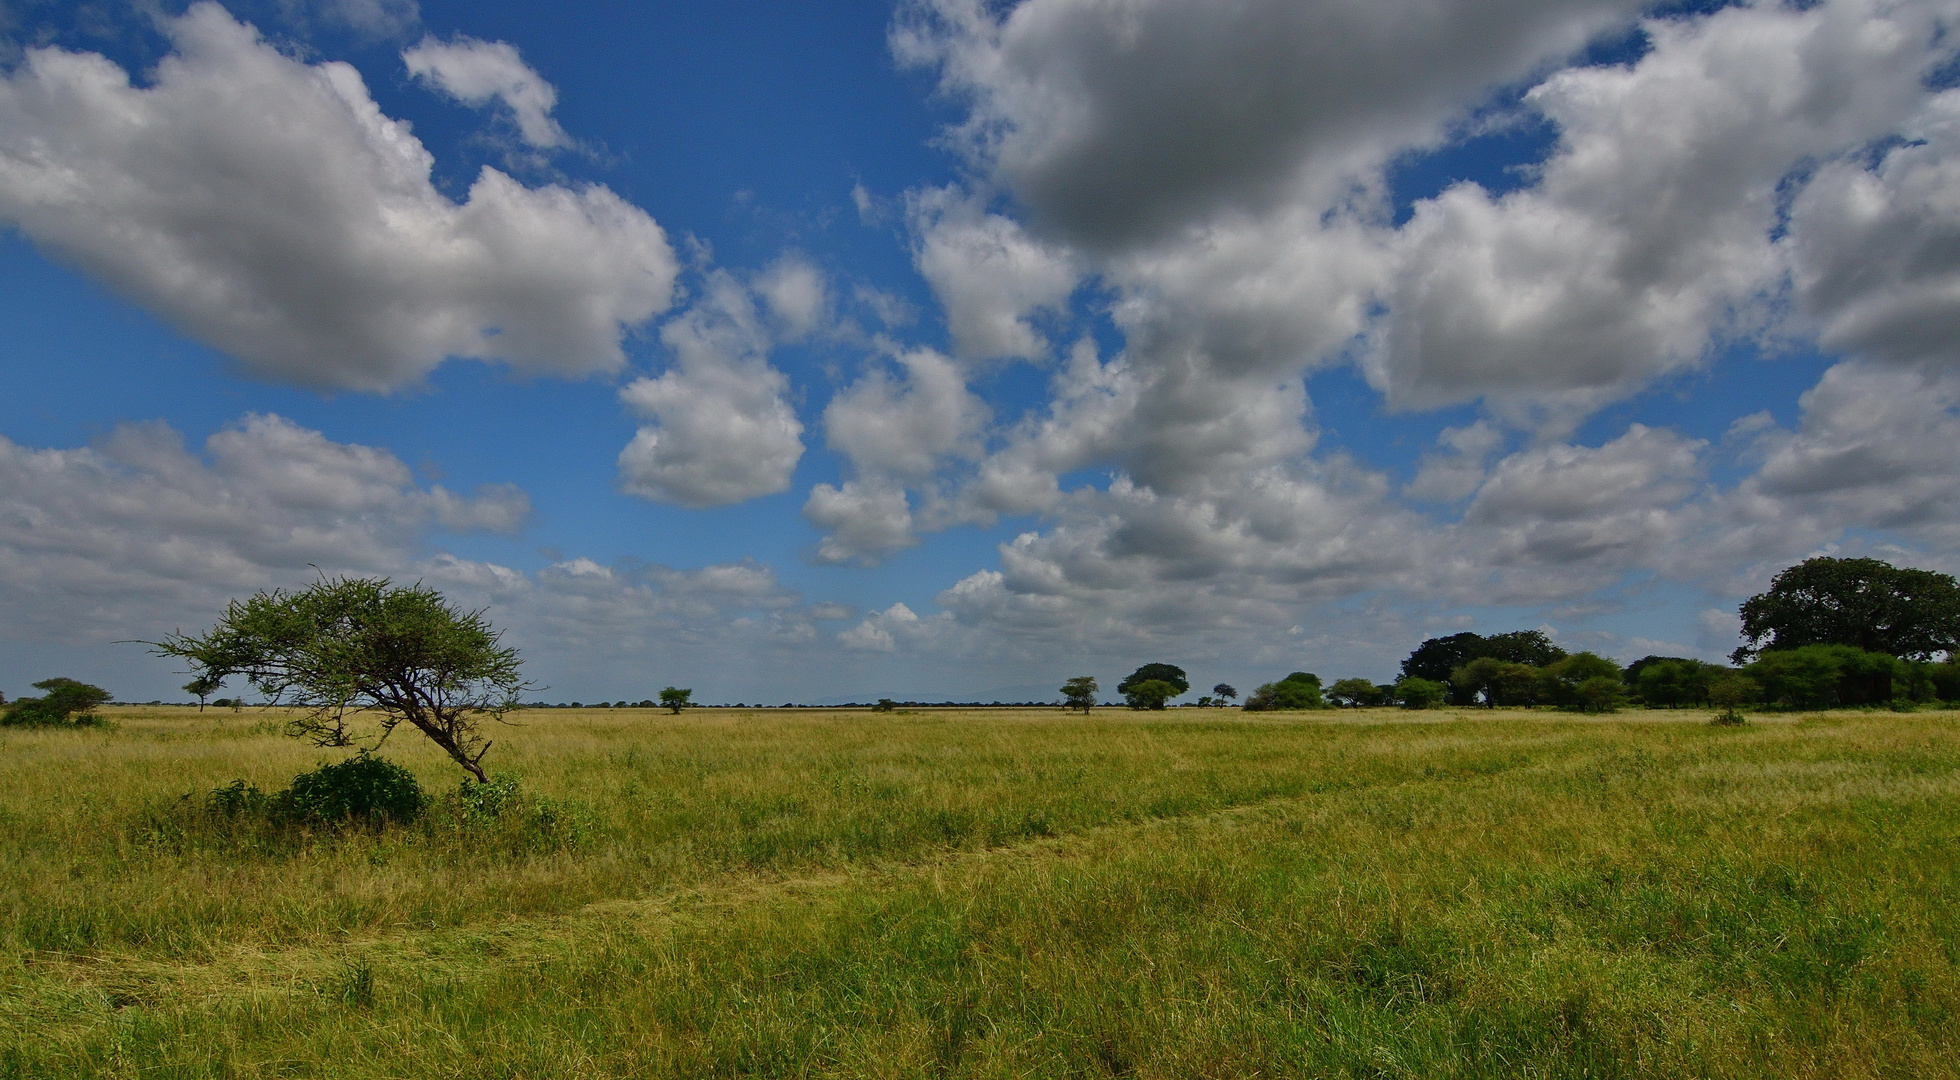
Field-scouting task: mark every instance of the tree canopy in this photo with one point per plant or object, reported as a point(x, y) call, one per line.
point(1080, 693)
point(1867, 604)
point(62, 702)
point(1169, 673)
point(1438, 659)
point(1150, 693)
point(1300, 690)
point(676, 698)
point(346, 645)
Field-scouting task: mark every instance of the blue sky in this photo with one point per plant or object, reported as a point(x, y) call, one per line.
point(828, 351)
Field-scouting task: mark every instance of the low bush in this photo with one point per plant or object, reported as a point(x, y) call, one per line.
point(65, 703)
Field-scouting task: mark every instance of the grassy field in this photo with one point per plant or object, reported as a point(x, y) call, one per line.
point(1004, 893)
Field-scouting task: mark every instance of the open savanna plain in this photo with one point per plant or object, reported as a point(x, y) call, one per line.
point(1002, 893)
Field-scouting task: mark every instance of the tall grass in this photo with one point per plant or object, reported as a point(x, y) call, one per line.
point(1008, 894)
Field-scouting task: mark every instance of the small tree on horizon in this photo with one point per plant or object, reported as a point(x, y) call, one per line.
point(675, 699)
point(1226, 691)
point(343, 646)
point(1167, 673)
point(1079, 693)
point(203, 687)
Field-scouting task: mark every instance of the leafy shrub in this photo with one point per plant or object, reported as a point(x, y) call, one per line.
point(363, 787)
point(66, 703)
point(1730, 693)
point(1300, 690)
point(1356, 693)
point(1420, 693)
point(1821, 676)
point(1599, 694)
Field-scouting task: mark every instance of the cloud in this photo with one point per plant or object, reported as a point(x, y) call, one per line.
point(121, 536)
point(894, 433)
point(797, 296)
point(1876, 246)
point(1649, 229)
point(475, 72)
point(374, 18)
point(989, 275)
point(1117, 125)
point(722, 431)
point(865, 520)
point(893, 628)
point(269, 208)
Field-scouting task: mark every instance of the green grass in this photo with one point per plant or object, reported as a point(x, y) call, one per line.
point(999, 893)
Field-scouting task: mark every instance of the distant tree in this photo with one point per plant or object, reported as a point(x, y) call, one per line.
point(1730, 692)
point(1355, 693)
point(1439, 659)
point(1822, 676)
point(1080, 693)
point(346, 645)
point(1578, 683)
point(1300, 690)
point(1672, 681)
point(1497, 682)
point(203, 687)
point(1168, 673)
point(63, 703)
point(885, 704)
point(675, 700)
point(1867, 604)
point(1944, 679)
point(1226, 692)
point(1150, 693)
point(1419, 693)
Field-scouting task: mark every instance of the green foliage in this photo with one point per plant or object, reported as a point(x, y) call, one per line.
point(64, 703)
point(202, 688)
point(1300, 690)
point(1944, 679)
point(1730, 692)
point(1150, 694)
point(885, 704)
point(1672, 681)
point(1867, 604)
point(1439, 659)
point(675, 699)
point(1578, 683)
point(1823, 676)
point(1411, 693)
point(1356, 694)
point(345, 645)
point(1498, 682)
point(1080, 693)
point(1166, 673)
point(364, 788)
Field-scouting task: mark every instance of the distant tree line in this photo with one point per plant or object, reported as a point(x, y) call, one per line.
point(1828, 632)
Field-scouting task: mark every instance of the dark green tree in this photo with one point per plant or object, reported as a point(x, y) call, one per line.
point(1419, 693)
point(1150, 693)
point(1672, 681)
point(1226, 692)
point(1169, 673)
point(1356, 693)
point(203, 687)
point(63, 703)
point(676, 699)
point(344, 646)
point(1578, 683)
point(1080, 693)
point(1300, 690)
point(1438, 658)
point(1867, 604)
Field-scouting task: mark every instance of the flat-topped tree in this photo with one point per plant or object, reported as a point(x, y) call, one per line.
point(343, 646)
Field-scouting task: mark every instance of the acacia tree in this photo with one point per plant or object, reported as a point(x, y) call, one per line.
point(202, 688)
point(345, 646)
point(1079, 693)
point(1165, 673)
point(1867, 604)
point(1225, 692)
point(675, 699)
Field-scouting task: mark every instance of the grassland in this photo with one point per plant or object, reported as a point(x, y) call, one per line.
point(999, 893)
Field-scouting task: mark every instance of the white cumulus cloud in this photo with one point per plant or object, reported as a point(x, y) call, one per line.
point(268, 207)
point(477, 72)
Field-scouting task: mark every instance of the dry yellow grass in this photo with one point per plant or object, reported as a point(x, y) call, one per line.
point(999, 893)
